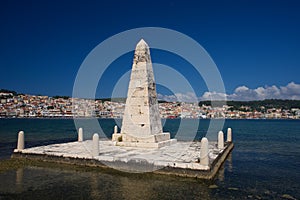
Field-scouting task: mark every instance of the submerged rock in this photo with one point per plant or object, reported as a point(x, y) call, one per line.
point(212, 186)
point(287, 196)
point(233, 188)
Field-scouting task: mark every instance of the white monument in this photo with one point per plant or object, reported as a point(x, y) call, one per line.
point(141, 126)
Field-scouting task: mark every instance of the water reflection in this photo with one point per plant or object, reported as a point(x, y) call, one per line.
point(49, 183)
point(221, 173)
point(19, 179)
point(229, 162)
point(136, 189)
point(227, 165)
point(95, 193)
point(55, 183)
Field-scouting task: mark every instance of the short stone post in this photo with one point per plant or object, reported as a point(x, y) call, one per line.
point(220, 140)
point(115, 129)
point(21, 143)
point(80, 135)
point(95, 150)
point(229, 135)
point(204, 160)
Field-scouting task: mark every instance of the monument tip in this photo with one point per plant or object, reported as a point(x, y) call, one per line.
point(142, 43)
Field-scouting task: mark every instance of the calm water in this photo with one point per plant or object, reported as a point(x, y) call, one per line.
point(264, 164)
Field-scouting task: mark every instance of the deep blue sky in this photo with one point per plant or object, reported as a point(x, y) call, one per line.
point(43, 43)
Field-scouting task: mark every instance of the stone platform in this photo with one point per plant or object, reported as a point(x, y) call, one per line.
point(181, 158)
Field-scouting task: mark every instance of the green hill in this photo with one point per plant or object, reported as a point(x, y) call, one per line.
point(257, 105)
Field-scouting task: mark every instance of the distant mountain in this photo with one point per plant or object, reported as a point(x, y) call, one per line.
point(119, 100)
point(8, 91)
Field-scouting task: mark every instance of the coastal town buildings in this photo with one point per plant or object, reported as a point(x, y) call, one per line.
point(36, 106)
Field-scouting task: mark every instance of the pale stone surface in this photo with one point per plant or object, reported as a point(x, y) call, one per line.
point(221, 140)
point(80, 135)
point(21, 142)
point(229, 135)
point(95, 150)
point(141, 121)
point(178, 155)
point(117, 137)
point(204, 159)
point(148, 144)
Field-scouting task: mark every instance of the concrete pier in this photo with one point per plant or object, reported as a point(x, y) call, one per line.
point(188, 159)
point(21, 142)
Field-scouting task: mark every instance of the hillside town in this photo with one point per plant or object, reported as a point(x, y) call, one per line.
point(36, 106)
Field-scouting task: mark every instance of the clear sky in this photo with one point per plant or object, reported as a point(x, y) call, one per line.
point(255, 44)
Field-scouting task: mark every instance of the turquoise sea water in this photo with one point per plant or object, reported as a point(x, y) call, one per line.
point(265, 164)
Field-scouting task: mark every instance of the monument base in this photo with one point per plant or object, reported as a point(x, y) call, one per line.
point(147, 144)
point(153, 141)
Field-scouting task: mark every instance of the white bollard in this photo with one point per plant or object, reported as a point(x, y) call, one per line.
point(220, 140)
point(95, 150)
point(229, 135)
point(80, 135)
point(204, 160)
point(21, 144)
point(115, 129)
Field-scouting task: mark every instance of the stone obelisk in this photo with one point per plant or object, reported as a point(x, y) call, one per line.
point(141, 125)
